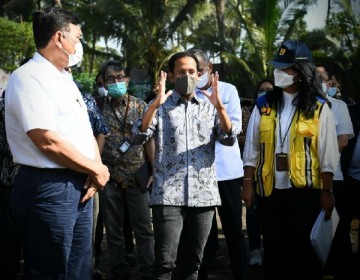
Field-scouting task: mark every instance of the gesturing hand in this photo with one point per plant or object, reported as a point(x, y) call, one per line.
point(162, 96)
point(214, 97)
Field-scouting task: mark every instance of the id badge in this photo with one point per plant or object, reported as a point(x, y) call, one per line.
point(125, 146)
point(282, 162)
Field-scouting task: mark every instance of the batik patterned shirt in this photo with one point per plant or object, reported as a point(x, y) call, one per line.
point(8, 168)
point(122, 167)
point(96, 119)
point(184, 169)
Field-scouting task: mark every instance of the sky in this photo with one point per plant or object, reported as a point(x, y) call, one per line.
point(316, 15)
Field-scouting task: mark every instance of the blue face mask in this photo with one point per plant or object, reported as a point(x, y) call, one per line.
point(261, 93)
point(117, 89)
point(331, 91)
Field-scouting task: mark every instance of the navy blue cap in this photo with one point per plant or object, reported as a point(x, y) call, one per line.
point(290, 53)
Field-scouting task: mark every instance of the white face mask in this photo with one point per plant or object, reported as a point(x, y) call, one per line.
point(282, 79)
point(102, 91)
point(204, 78)
point(77, 56)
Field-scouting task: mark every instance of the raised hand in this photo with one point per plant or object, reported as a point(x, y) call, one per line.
point(214, 98)
point(162, 96)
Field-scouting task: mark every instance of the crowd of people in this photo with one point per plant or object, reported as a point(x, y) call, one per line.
point(70, 166)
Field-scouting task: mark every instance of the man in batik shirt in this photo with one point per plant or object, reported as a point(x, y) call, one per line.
point(120, 111)
point(9, 240)
point(185, 192)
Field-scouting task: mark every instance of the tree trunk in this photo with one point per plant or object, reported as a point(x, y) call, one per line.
point(57, 3)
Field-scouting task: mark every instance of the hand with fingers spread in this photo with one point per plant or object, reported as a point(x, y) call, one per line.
point(158, 101)
point(162, 96)
point(215, 100)
point(214, 97)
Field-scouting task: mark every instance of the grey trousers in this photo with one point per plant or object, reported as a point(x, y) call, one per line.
point(112, 203)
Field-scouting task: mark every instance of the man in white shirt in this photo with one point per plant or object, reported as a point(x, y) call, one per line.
point(291, 152)
point(229, 170)
point(50, 136)
point(339, 257)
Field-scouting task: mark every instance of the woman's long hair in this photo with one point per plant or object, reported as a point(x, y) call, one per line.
point(309, 88)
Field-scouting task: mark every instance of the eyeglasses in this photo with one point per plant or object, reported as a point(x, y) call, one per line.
point(113, 79)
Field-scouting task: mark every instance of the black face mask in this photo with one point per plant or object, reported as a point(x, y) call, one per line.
point(185, 85)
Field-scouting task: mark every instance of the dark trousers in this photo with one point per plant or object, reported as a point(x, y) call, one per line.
point(347, 202)
point(253, 225)
point(170, 222)
point(56, 229)
point(287, 217)
point(230, 213)
point(10, 244)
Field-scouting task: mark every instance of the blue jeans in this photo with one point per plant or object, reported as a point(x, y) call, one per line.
point(55, 227)
point(169, 222)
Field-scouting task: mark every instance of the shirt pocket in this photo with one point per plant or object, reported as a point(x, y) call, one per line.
point(307, 128)
point(267, 128)
point(69, 117)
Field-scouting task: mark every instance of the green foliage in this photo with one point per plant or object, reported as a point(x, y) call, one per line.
point(242, 35)
point(16, 41)
point(86, 80)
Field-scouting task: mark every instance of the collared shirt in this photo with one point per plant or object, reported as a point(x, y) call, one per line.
point(343, 126)
point(354, 166)
point(96, 119)
point(227, 158)
point(327, 146)
point(122, 167)
point(39, 96)
point(8, 168)
point(184, 169)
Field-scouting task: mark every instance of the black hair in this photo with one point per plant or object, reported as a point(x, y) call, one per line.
point(171, 63)
point(98, 75)
point(199, 53)
point(265, 80)
point(48, 21)
point(310, 89)
point(329, 70)
point(111, 64)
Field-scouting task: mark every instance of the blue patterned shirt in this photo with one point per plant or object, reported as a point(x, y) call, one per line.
point(184, 169)
point(8, 168)
point(96, 119)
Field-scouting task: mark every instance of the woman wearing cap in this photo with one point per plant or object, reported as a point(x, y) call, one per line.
point(291, 153)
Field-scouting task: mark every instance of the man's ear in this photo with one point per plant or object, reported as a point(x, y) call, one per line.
point(170, 75)
point(210, 68)
point(57, 38)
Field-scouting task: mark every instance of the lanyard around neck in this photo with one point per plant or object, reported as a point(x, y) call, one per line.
point(125, 117)
point(282, 140)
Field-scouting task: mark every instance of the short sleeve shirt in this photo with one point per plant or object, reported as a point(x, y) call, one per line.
point(39, 96)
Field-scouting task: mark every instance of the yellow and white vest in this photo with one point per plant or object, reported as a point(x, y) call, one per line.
point(304, 169)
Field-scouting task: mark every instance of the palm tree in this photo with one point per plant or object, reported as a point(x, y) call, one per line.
point(264, 25)
point(150, 31)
